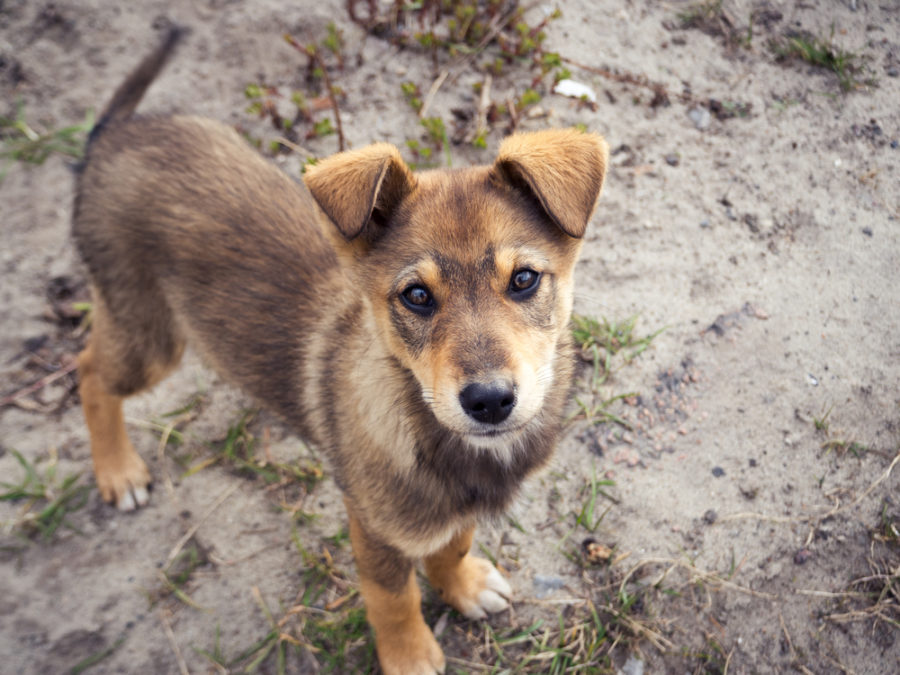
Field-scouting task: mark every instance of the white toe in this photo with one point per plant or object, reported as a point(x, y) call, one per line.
point(492, 601)
point(141, 496)
point(496, 582)
point(475, 612)
point(126, 502)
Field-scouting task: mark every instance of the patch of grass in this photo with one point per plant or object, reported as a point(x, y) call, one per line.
point(48, 501)
point(821, 422)
point(435, 142)
point(178, 574)
point(20, 142)
point(600, 341)
point(842, 446)
point(238, 452)
point(590, 493)
point(823, 53)
point(492, 38)
point(603, 343)
point(304, 121)
point(604, 338)
point(701, 14)
point(94, 659)
point(874, 598)
point(326, 623)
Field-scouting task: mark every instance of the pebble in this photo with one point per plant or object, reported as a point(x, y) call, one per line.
point(710, 517)
point(672, 159)
point(633, 666)
point(545, 585)
point(700, 117)
point(718, 471)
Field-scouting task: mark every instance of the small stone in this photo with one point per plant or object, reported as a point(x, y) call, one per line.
point(867, 231)
point(545, 585)
point(672, 159)
point(633, 666)
point(893, 72)
point(895, 144)
point(700, 117)
point(710, 517)
point(718, 471)
point(704, 223)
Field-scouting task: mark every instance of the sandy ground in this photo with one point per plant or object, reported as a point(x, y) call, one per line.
point(766, 244)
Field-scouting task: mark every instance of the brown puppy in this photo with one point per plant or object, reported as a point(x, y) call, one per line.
point(415, 327)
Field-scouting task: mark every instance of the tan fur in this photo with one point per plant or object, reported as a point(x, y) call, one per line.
point(431, 414)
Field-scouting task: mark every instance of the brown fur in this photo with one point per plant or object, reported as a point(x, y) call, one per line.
point(295, 291)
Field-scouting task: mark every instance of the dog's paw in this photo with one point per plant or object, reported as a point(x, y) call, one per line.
point(474, 587)
point(125, 485)
point(410, 652)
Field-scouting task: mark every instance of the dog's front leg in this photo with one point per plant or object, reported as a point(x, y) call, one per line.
point(470, 584)
point(387, 580)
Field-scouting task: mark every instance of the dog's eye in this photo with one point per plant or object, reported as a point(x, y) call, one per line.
point(418, 299)
point(524, 283)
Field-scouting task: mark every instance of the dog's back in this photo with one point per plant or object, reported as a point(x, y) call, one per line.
point(185, 228)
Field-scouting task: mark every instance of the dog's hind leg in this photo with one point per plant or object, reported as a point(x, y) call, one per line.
point(121, 360)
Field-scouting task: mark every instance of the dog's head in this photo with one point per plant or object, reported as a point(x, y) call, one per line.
point(468, 272)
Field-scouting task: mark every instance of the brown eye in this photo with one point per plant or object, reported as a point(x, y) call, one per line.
point(417, 299)
point(524, 283)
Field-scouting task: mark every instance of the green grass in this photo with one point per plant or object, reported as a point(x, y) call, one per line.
point(700, 14)
point(823, 53)
point(21, 142)
point(607, 345)
point(48, 501)
point(335, 634)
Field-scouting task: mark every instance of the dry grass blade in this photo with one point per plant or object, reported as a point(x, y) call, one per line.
point(193, 530)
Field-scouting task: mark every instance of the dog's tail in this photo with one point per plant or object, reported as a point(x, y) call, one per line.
point(131, 91)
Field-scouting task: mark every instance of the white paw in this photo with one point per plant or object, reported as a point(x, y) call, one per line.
point(493, 597)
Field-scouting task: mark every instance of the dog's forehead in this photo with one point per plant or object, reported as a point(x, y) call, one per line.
point(465, 215)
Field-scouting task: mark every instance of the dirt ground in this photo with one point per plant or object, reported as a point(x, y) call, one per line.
point(744, 486)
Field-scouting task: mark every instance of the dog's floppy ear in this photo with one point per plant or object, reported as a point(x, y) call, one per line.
point(563, 168)
point(358, 186)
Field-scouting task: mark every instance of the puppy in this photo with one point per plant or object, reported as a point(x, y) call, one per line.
point(413, 326)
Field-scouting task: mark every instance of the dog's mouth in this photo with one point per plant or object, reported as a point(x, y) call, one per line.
point(495, 433)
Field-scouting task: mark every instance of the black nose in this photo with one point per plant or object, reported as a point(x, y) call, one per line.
point(489, 403)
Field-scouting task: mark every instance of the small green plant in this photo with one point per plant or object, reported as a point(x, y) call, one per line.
point(601, 339)
point(701, 14)
point(587, 518)
point(238, 452)
point(176, 576)
point(412, 94)
point(823, 53)
point(841, 446)
point(600, 342)
point(437, 141)
point(48, 501)
point(20, 142)
point(821, 422)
